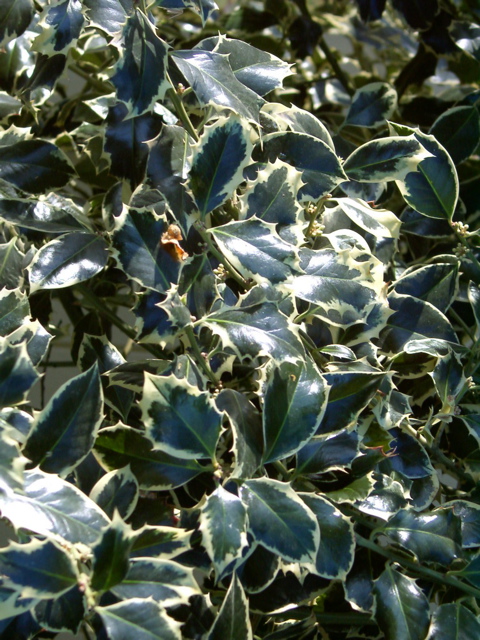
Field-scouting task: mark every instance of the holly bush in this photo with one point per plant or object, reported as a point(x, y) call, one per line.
point(275, 206)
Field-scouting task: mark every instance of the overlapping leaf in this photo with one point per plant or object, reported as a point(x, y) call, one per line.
point(15, 16)
point(143, 617)
point(61, 27)
point(458, 131)
point(372, 105)
point(233, 622)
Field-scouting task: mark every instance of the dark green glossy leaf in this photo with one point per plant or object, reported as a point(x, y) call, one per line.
point(36, 339)
point(17, 373)
point(386, 499)
point(299, 120)
point(168, 583)
point(168, 165)
point(474, 299)
point(197, 281)
point(51, 214)
point(108, 15)
point(337, 538)
point(256, 250)
point(453, 622)
point(41, 569)
point(110, 553)
point(140, 252)
point(64, 432)
point(385, 159)
point(402, 608)
point(140, 74)
point(469, 514)
point(371, 105)
point(449, 381)
point(325, 453)
point(15, 16)
point(279, 520)
point(52, 506)
point(180, 419)
point(259, 568)
point(295, 399)
point(233, 621)
point(247, 431)
point(65, 261)
point(62, 613)
point(436, 283)
point(34, 165)
point(358, 584)
point(116, 491)
point(350, 392)
point(221, 155)
point(11, 265)
point(320, 167)
point(155, 470)
point(458, 131)
point(471, 572)
point(433, 537)
point(223, 523)
point(411, 458)
point(258, 70)
point(144, 618)
point(126, 142)
point(213, 82)
point(414, 319)
point(60, 28)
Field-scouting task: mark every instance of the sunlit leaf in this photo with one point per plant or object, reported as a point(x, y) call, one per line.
point(371, 105)
point(145, 618)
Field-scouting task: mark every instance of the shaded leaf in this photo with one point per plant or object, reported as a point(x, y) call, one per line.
point(279, 520)
point(15, 16)
point(64, 432)
point(140, 73)
point(233, 621)
point(436, 283)
point(155, 470)
point(325, 453)
point(14, 310)
point(214, 83)
point(402, 608)
point(11, 265)
point(223, 523)
point(65, 261)
point(458, 131)
point(371, 105)
point(180, 419)
point(17, 373)
point(110, 555)
point(62, 613)
point(453, 622)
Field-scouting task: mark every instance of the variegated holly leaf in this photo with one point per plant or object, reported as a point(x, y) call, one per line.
point(257, 330)
point(17, 373)
point(435, 283)
point(432, 189)
point(458, 131)
point(385, 159)
point(108, 15)
point(372, 105)
point(295, 399)
point(214, 83)
point(142, 617)
point(319, 165)
point(60, 25)
point(38, 569)
point(53, 508)
point(140, 73)
point(280, 520)
point(223, 524)
point(180, 419)
point(453, 621)
point(68, 260)
point(50, 214)
point(116, 491)
point(64, 432)
point(256, 250)
point(258, 70)
point(219, 158)
point(110, 555)
point(233, 619)
point(154, 470)
point(15, 16)
point(379, 222)
point(295, 119)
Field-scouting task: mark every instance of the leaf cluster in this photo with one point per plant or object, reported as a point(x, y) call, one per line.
point(260, 222)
